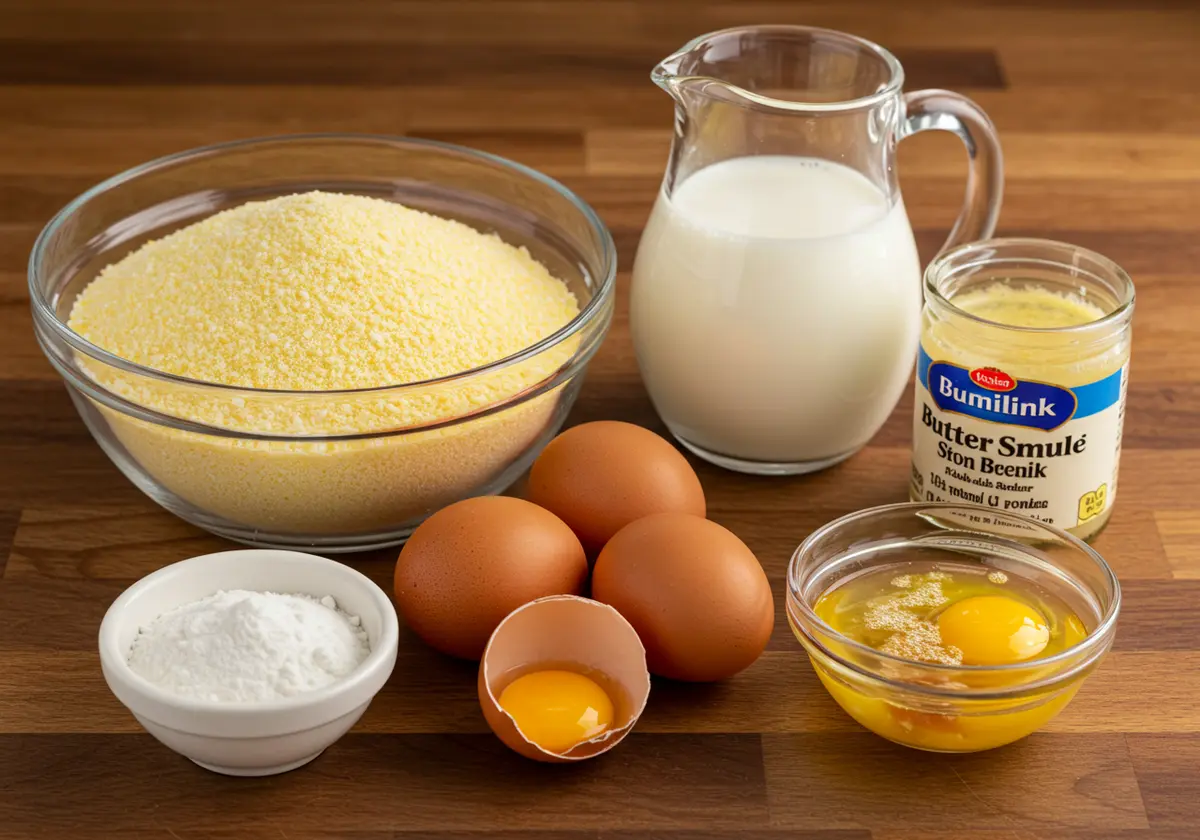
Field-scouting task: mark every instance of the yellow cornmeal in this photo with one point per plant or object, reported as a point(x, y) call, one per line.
point(320, 292)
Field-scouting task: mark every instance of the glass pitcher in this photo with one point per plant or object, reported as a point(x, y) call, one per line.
point(776, 292)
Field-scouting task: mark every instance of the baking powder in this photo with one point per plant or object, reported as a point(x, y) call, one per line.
point(241, 646)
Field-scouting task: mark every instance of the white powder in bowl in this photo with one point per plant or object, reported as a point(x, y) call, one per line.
point(241, 646)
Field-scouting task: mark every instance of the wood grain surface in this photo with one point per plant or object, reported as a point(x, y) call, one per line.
point(1098, 108)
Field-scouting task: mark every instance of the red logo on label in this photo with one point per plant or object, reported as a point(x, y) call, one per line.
point(993, 379)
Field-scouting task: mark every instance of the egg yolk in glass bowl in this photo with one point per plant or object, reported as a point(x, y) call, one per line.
point(951, 615)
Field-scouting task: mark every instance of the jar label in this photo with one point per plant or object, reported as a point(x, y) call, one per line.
point(984, 437)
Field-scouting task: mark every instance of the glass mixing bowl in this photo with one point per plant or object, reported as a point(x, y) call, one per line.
point(333, 485)
point(950, 708)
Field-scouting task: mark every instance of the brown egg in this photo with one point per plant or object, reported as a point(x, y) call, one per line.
point(694, 592)
point(470, 564)
point(599, 477)
point(565, 632)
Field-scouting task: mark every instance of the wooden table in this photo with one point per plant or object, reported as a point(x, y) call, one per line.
point(1100, 118)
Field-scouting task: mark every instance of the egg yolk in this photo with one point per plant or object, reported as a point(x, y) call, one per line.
point(557, 709)
point(993, 630)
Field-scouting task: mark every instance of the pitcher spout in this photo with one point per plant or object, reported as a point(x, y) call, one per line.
point(669, 75)
point(690, 89)
point(769, 67)
point(684, 78)
point(666, 73)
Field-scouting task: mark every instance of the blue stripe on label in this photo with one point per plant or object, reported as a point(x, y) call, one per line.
point(1091, 398)
point(1097, 396)
point(923, 363)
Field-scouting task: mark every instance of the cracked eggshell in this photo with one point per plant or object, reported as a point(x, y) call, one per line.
point(558, 631)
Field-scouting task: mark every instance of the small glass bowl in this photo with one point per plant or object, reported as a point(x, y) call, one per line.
point(308, 477)
point(947, 708)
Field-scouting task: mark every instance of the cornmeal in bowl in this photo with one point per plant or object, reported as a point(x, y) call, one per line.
point(295, 321)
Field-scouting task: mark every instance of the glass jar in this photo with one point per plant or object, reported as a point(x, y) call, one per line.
point(1021, 381)
point(950, 708)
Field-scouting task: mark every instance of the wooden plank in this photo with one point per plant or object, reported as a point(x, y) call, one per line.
point(981, 25)
point(266, 109)
point(90, 154)
point(448, 782)
point(8, 528)
point(862, 781)
point(1165, 65)
point(1179, 531)
point(1165, 766)
point(61, 471)
point(302, 833)
point(313, 61)
point(1044, 832)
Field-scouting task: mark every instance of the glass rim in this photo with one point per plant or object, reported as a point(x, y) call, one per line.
point(942, 267)
point(665, 72)
point(588, 313)
point(1095, 637)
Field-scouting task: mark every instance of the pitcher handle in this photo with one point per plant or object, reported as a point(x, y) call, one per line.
point(944, 110)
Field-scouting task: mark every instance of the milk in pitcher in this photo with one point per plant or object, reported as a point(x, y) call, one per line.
point(775, 311)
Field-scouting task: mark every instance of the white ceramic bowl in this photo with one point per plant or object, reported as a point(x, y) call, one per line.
point(249, 739)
